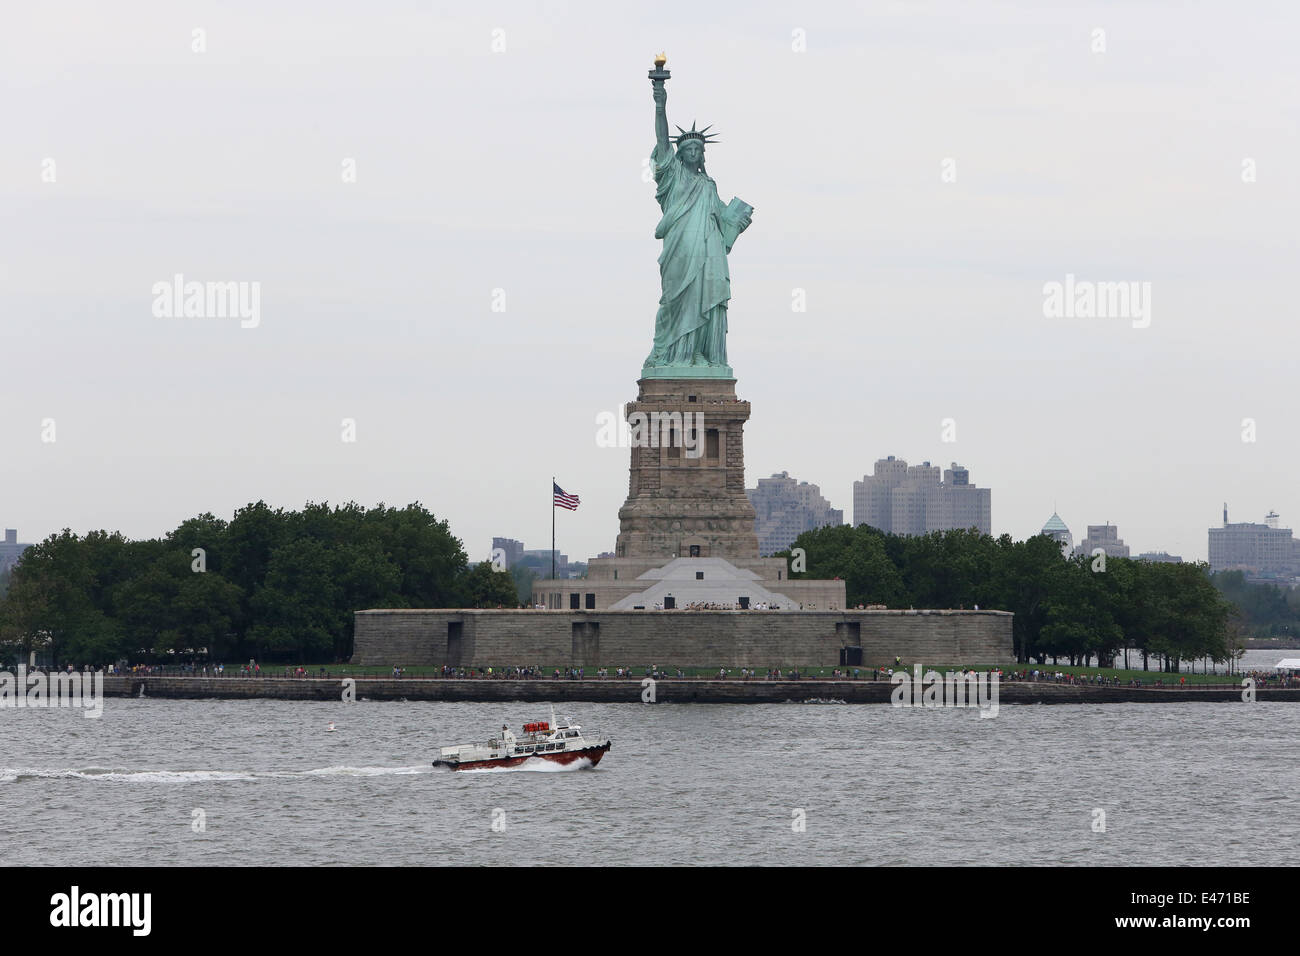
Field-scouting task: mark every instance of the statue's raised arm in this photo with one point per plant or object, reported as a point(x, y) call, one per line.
point(661, 99)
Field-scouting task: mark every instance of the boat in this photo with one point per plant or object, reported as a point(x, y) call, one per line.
point(557, 741)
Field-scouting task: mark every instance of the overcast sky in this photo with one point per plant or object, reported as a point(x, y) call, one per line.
point(520, 169)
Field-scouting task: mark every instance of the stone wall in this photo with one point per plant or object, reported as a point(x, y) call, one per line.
point(630, 691)
point(761, 639)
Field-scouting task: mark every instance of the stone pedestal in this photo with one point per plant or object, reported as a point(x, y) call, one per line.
point(686, 491)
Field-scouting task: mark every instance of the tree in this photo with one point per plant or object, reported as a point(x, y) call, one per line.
point(23, 615)
point(206, 610)
point(272, 584)
point(1027, 574)
point(856, 555)
point(304, 609)
point(1262, 609)
point(58, 597)
point(484, 586)
point(524, 577)
point(1199, 625)
point(430, 558)
point(145, 603)
point(1080, 618)
point(205, 532)
point(295, 609)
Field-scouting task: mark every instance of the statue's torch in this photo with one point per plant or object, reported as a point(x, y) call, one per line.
point(659, 74)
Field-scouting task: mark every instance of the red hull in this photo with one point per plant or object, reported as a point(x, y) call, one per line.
point(564, 757)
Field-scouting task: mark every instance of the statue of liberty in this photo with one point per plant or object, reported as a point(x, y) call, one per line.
point(698, 232)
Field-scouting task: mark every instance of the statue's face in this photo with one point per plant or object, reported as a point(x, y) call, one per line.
point(692, 152)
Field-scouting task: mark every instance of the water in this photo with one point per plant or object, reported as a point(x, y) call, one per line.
point(1193, 783)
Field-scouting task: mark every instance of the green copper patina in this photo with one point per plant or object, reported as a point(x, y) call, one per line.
point(698, 231)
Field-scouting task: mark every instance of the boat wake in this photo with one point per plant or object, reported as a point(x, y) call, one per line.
point(818, 700)
point(536, 765)
point(21, 774)
point(362, 771)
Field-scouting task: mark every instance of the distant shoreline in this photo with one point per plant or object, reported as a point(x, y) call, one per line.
point(1262, 644)
point(625, 691)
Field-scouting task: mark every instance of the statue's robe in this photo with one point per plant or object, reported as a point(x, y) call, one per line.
point(691, 325)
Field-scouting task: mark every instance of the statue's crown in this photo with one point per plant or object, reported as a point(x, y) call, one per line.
point(693, 133)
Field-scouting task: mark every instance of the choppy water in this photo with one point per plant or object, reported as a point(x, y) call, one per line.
point(1179, 784)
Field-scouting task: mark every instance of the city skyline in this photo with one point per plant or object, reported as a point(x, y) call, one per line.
point(918, 245)
point(785, 507)
point(486, 554)
point(918, 499)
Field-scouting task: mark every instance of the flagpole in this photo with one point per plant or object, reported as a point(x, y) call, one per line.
point(552, 527)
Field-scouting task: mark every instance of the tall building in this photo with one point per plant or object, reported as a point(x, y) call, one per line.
point(785, 508)
point(902, 499)
point(514, 550)
point(1265, 552)
point(539, 558)
point(961, 504)
point(11, 550)
point(1104, 536)
point(1056, 530)
point(542, 557)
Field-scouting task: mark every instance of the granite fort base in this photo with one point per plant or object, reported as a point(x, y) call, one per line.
point(760, 639)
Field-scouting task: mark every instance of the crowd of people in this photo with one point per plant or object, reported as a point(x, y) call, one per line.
point(1058, 677)
point(659, 673)
point(1272, 678)
point(251, 669)
point(541, 673)
point(722, 606)
point(1262, 678)
point(712, 606)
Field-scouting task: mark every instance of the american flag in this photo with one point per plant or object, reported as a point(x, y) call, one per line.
point(564, 500)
